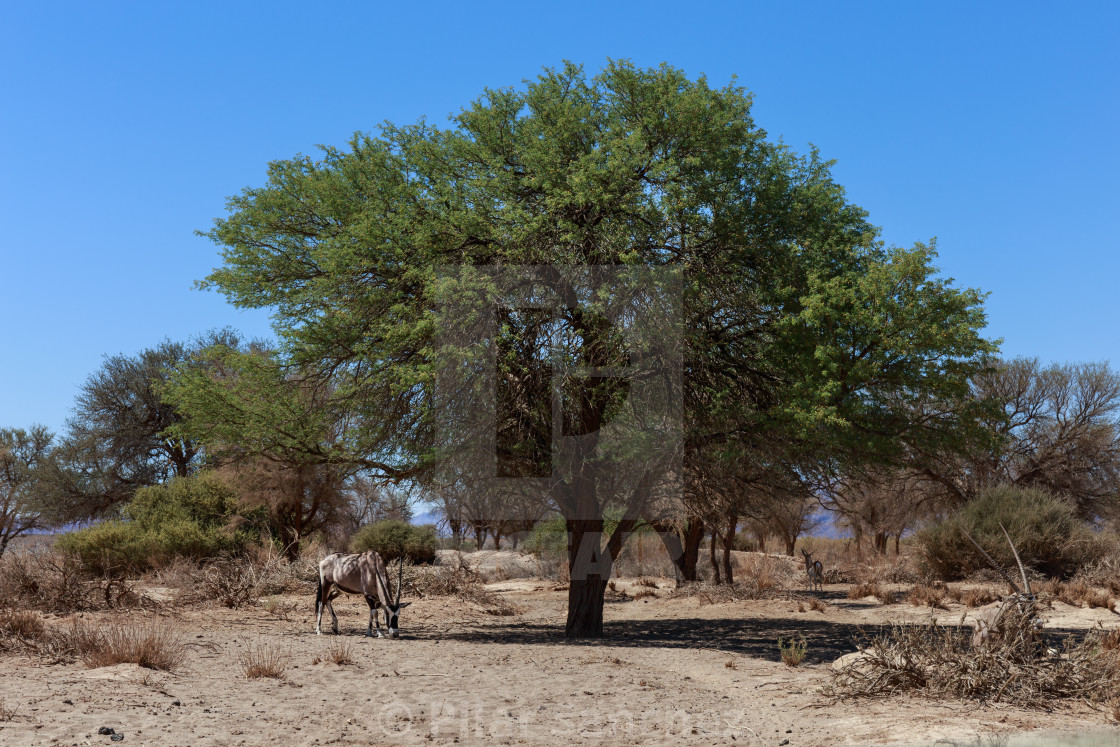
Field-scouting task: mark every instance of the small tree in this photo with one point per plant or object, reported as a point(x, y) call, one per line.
point(23, 457)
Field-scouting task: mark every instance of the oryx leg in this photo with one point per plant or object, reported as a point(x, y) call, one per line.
point(324, 600)
point(373, 603)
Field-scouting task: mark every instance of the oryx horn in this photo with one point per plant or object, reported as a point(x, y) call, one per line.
point(1022, 571)
point(400, 583)
point(993, 563)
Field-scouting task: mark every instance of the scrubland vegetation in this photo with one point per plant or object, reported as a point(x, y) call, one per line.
point(795, 378)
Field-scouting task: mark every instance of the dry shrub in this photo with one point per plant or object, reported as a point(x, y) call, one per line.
point(649, 582)
point(763, 574)
point(460, 582)
point(739, 591)
point(927, 596)
point(817, 605)
point(978, 597)
point(21, 624)
point(51, 581)
point(865, 589)
point(263, 660)
point(1015, 667)
point(340, 652)
point(153, 646)
point(645, 594)
point(1110, 639)
point(731, 664)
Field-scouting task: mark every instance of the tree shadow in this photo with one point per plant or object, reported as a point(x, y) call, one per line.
point(752, 637)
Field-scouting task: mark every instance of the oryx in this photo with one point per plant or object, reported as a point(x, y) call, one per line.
point(359, 574)
point(989, 620)
point(815, 570)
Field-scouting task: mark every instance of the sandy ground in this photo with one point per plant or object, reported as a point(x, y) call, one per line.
point(672, 670)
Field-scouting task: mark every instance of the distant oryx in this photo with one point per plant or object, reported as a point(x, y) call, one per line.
point(815, 570)
point(989, 621)
point(359, 574)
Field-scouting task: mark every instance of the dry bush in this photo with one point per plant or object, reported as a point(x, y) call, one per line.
point(865, 589)
point(645, 594)
point(460, 582)
point(817, 605)
point(978, 597)
point(1110, 639)
point(263, 660)
point(763, 573)
point(52, 581)
point(21, 624)
point(927, 596)
point(340, 652)
point(643, 554)
point(651, 583)
point(7, 713)
point(1016, 667)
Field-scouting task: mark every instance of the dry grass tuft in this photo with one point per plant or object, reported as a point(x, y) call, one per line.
point(1110, 639)
point(340, 652)
point(6, 713)
point(817, 605)
point(973, 598)
point(645, 593)
point(648, 582)
point(927, 596)
point(153, 646)
point(731, 664)
point(21, 624)
point(263, 660)
point(1016, 667)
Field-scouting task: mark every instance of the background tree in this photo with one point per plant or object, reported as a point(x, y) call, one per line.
point(120, 437)
point(24, 456)
point(799, 328)
point(272, 430)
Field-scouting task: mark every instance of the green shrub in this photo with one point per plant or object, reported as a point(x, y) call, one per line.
point(194, 517)
point(1049, 536)
point(392, 539)
point(549, 536)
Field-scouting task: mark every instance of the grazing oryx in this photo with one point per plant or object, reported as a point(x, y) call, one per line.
point(989, 623)
point(359, 574)
point(815, 570)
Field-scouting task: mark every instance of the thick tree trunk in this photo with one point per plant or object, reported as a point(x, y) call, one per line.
point(728, 541)
point(479, 537)
point(761, 538)
point(897, 537)
point(879, 541)
point(791, 542)
point(497, 539)
point(589, 569)
point(712, 557)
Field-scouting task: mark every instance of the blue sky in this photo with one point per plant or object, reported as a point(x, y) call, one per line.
point(124, 126)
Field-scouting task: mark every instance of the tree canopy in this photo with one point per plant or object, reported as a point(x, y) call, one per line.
point(802, 339)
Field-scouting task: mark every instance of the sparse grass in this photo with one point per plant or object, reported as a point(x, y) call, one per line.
point(263, 660)
point(153, 646)
point(817, 605)
point(645, 593)
point(731, 664)
point(793, 652)
point(1110, 639)
point(340, 652)
point(7, 713)
point(648, 582)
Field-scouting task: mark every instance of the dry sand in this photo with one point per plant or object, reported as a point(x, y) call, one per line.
point(671, 670)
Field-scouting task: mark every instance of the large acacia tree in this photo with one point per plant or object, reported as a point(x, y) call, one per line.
point(798, 329)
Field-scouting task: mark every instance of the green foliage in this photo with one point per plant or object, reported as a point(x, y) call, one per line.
point(793, 651)
point(194, 517)
point(549, 536)
point(391, 539)
point(1047, 533)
